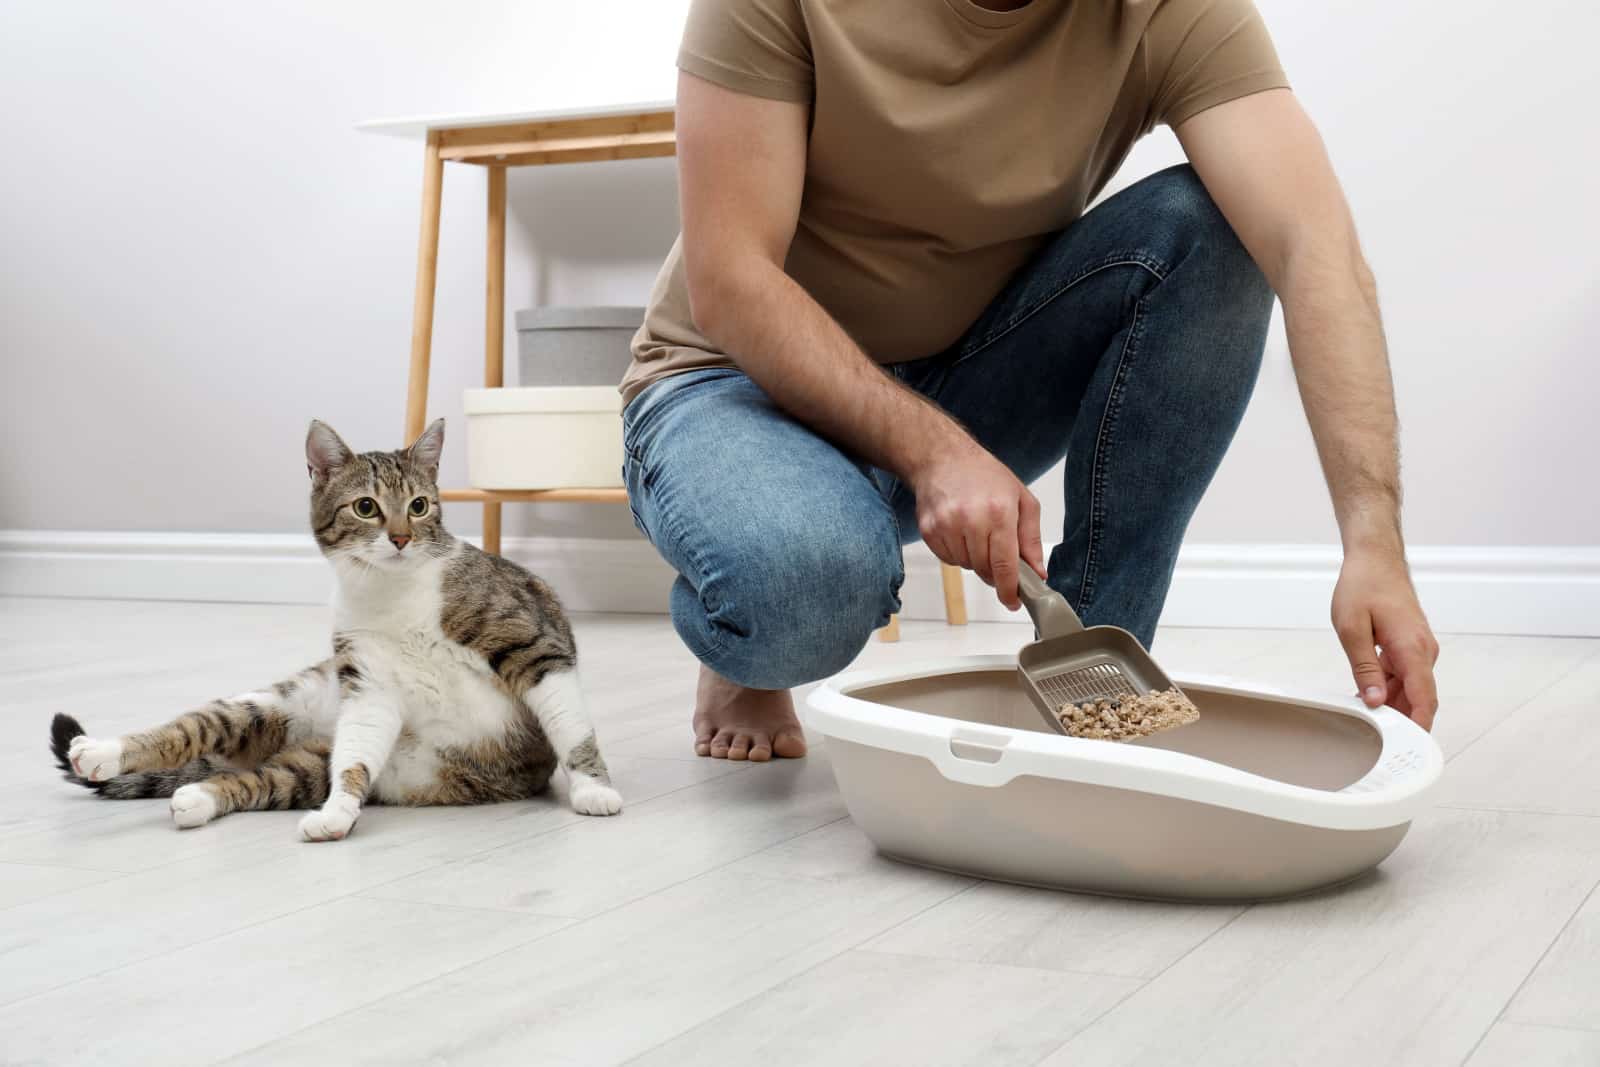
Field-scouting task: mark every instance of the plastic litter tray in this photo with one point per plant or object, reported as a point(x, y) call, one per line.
point(1270, 794)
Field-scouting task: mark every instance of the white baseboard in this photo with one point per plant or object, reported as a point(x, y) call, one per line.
point(1514, 590)
point(589, 574)
point(1533, 589)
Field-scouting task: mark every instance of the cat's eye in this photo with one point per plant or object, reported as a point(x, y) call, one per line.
point(366, 508)
point(419, 506)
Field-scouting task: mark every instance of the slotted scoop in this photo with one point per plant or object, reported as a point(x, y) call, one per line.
point(1073, 664)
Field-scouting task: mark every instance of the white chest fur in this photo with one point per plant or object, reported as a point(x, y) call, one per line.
point(446, 694)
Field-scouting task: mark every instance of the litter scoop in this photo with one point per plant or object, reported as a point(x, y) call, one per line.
point(1070, 665)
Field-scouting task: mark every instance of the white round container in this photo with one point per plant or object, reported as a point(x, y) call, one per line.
point(567, 437)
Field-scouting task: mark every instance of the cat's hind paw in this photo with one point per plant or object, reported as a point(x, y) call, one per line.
point(592, 798)
point(94, 760)
point(331, 822)
point(193, 805)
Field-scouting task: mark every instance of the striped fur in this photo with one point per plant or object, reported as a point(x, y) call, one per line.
point(452, 678)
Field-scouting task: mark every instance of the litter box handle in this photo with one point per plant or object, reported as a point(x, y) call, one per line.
point(1052, 615)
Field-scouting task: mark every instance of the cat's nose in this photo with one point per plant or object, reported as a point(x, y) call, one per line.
point(400, 541)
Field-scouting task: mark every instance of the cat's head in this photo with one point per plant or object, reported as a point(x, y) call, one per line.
point(376, 508)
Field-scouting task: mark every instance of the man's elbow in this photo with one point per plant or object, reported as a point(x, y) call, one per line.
point(708, 300)
point(720, 291)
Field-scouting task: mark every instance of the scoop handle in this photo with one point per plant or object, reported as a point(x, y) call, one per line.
point(1052, 615)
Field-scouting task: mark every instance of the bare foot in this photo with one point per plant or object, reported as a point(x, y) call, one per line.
point(732, 722)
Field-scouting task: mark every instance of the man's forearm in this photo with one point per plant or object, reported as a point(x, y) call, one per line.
point(1342, 366)
point(792, 348)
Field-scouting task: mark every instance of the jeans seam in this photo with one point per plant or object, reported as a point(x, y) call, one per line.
point(900, 557)
point(1104, 439)
point(693, 556)
point(633, 510)
point(1154, 266)
point(674, 532)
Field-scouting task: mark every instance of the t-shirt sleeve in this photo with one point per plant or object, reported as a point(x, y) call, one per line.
point(1201, 53)
point(759, 47)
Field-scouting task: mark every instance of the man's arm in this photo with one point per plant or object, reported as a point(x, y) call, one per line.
point(1264, 164)
point(741, 167)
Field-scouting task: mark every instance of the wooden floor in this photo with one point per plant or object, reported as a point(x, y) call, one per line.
point(733, 914)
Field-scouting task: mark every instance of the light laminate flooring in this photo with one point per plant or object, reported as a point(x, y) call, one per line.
point(734, 914)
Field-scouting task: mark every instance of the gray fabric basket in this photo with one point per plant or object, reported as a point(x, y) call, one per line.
point(575, 345)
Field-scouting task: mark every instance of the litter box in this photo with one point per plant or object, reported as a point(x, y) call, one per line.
point(1270, 794)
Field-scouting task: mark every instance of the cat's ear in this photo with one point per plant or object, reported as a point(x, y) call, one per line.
point(325, 450)
point(425, 450)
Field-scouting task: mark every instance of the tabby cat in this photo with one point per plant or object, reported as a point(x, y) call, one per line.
point(452, 679)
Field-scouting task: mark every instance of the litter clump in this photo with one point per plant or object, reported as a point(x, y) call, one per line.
point(1125, 718)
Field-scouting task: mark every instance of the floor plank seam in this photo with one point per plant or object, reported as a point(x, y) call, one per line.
point(1561, 1027)
point(1510, 716)
point(1136, 990)
point(852, 947)
point(1540, 812)
point(536, 834)
point(1500, 1016)
point(523, 944)
point(9, 1004)
point(67, 867)
point(887, 930)
point(295, 911)
point(1141, 978)
point(509, 913)
point(1113, 1006)
point(363, 892)
point(165, 820)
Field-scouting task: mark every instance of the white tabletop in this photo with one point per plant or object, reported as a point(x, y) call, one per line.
point(417, 126)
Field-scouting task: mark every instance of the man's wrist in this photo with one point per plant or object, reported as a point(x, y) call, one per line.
point(1373, 533)
point(934, 439)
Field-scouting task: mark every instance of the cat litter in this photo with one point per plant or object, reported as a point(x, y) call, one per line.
point(1128, 717)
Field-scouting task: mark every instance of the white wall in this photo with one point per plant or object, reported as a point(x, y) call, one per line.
point(200, 253)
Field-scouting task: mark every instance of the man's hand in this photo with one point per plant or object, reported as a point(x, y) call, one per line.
point(974, 513)
point(1380, 623)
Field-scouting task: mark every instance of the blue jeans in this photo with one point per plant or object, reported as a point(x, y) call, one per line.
point(1130, 344)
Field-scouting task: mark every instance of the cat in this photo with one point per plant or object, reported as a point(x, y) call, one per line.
point(453, 677)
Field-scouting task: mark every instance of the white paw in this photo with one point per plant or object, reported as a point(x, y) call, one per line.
point(193, 805)
point(592, 798)
point(331, 822)
point(95, 760)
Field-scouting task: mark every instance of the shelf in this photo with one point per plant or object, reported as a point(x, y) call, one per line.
point(534, 496)
point(524, 144)
point(646, 145)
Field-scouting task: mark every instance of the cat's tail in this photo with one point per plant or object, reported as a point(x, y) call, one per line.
point(64, 728)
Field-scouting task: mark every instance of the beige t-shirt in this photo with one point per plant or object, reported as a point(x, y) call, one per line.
point(948, 142)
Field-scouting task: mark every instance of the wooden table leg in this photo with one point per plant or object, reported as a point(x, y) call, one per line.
point(422, 301)
point(494, 330)
point(890, 630)
point(955, 596)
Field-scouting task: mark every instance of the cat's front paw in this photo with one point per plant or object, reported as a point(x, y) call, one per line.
point(331, 822)
point(193, 805)
point(592, 798)
point(94, 760)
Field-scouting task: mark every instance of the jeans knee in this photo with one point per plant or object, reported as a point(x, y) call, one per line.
point(793, 613)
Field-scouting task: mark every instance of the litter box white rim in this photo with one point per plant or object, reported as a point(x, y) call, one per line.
point(1409, 761)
